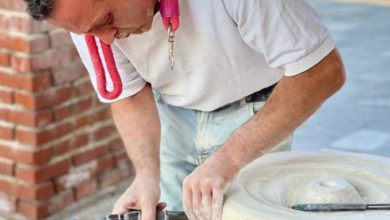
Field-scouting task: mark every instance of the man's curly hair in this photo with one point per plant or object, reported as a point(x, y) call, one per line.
point(40, 9)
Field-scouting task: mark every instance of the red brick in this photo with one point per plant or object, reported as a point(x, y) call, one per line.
point(6, 167)
point(96, 102)
point(89, 155)
point(28, 118)
point(39, 137)
point(105, 164)
point(82, 106)
point(37, 175)
point(60, 37)
point(86, 188)
point(32, 156)
point(62, 112)
point(39, 43)
point(82, 121)
point(13, 42)
point(60, 201)
point(77, 176)
point(68, 145)
point(116, 144)
point(4, 58)
point(121, 158)
point(13, 80)
point(69, 73)
point(62, 148)
point(126, 170)
point(74, 55)
point(42, 61)
point(26, 100)
point(51, 97)
point(103, 132)
point(80, 141)
point(29, 137)
point(6, 96)
point(17, 5)
point(35, 44)
point(26, 156)
point(110, 178)
point(9, 187)
point(40, 210)
point(6, 151)
point(23, 63)
point(101, 114)
point(83, 87)
point(61, 95)
point(3, 22)
point(31, 83)
point(33, 210)
point(39, 192)
point(21, 23)
point(40, 82)
point(7, 131)
point(58, 130)
point(5, 114)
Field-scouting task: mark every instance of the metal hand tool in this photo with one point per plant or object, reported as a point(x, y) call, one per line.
point(136, 215)
point(171, 42)
point(337, 207)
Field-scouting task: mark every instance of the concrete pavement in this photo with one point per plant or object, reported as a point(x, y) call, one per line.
point(356, 119)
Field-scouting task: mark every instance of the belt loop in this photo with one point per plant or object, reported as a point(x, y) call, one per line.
point(243, 102)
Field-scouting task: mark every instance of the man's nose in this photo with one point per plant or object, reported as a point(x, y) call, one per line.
point(105, 34)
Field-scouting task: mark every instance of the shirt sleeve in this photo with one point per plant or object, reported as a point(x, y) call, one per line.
point(131, 79)
point(289, 33)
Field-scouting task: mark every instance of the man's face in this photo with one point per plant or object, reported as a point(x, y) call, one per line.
point(105, 19)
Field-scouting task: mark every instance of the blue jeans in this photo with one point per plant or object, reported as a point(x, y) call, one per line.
point(189, 137)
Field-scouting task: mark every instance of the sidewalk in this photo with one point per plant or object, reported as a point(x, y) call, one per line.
point(356, 119)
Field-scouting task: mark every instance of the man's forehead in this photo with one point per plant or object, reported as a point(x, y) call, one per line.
point(73, 15)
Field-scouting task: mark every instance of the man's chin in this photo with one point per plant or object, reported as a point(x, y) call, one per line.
point(140, 30)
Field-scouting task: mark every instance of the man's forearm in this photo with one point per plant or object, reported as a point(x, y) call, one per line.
point(137, 121)
point(293, 101)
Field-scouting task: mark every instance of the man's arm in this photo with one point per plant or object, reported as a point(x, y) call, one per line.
point(137, 121)
point(294, 99)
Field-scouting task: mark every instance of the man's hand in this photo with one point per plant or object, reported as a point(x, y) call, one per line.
point(203, 190)
point(136, 119)
point(143, 194)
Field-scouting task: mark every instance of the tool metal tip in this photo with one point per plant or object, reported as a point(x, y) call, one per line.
point(299, 207)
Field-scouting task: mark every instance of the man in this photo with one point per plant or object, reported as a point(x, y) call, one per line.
point(214, 115)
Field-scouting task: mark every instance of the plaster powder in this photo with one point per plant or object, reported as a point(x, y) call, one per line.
point(269, 186)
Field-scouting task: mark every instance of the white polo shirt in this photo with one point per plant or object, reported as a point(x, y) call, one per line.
point(224, 51)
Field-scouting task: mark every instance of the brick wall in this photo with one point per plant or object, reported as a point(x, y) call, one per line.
point(57, 142)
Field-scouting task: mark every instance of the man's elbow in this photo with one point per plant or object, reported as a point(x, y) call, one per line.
point(339, 73)
point(334, 73)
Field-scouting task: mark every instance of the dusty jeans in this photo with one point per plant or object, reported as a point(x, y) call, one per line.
point(189, 137)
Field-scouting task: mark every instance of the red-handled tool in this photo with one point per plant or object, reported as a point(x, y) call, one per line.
point(170, 15)
point(99, 69)
point(169, 10)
